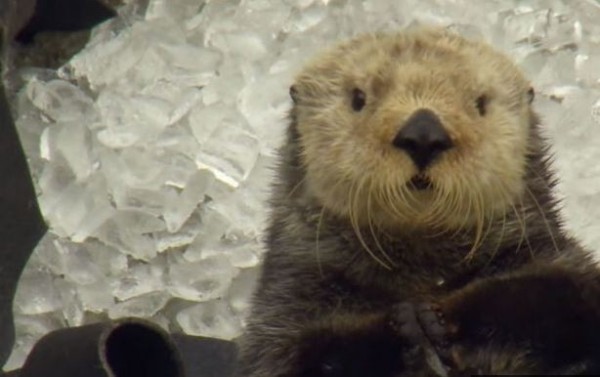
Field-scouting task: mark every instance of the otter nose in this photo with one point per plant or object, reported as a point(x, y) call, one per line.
point(423, 138)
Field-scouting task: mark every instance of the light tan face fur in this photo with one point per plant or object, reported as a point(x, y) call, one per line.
point(354, 170)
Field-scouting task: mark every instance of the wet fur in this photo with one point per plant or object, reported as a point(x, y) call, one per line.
point(519, 295)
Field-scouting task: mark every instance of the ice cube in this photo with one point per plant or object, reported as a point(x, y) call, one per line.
point(183, 237)
point(78, 210)
point(143, 306)
point(96, 297)
point(60, 100)
point(141, 278)
point(526, 24)
point(267, 112)
point(204, 280)
point(241, 290)
point(105, 63)
point(211, 231)
point(72, 308)
point(75, 145)
point(36, 292)
point(78, 264)
point(211, 319)
point(179, 210)
point(231, 151)
point(129, 231)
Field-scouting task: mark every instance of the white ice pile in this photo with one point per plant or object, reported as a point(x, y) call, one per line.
point(151, 148)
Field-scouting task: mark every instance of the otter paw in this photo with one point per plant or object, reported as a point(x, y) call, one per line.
point(421, 325)
point(432, 322)
point(404, 322)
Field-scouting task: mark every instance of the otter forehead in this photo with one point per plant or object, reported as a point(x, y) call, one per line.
point(416, 63)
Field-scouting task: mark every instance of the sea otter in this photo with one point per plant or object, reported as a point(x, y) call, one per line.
point(413, 228)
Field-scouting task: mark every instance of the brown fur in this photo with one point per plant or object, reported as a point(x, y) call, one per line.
point(348, 237)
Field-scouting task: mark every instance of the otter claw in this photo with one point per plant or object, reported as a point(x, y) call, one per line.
point(432, 322)
point(405, 323)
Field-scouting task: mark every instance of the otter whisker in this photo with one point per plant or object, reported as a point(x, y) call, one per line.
point(370, 224)
point(467, 201)
point(440, 210)
point(354, 196)
point(479, 225)
point(522, 227)
point(394, 195)
point(296, 186)
point(489, 214)
point(545, 219)
point(500, 239)
point(524, 217)
point(541, 179)
point(317, 248)
point(390, 200)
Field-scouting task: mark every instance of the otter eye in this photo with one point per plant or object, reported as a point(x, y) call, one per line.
point(481, 104)
point(359, 98)
point(530, 95)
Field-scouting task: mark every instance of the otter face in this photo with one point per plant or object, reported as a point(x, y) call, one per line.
point(417, 130)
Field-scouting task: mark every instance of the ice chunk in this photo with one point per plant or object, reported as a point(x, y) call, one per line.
point(149, 201)
point(129, 231)
point(72, 307)
point(192, 58)
point(267, 112)
point(245, 211)
point(231, 151)
point(46, 254)
point(187, 101)
point(211, 319)
point(176, 9)
point(127, 120)
point(218, 238)
point(595, 112)
point(204, 120)
point(179, 210)
point(60, 100)
point(587, 67)
point(141, 278)
point(525, 24)
point(74, 143)
point(241, 290)
point(213, 228)
point(36, 292)
point(107, 62)
point(226, 86)
point(78, 264)
point(104, 63)
point(204, 280)
point(144, 306)
point(78, 209)
point(96, 297)
point(109, 260)
point(302, 20)
point(183, 237)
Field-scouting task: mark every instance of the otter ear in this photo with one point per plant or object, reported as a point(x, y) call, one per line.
point(294, 94)
point(530, 95)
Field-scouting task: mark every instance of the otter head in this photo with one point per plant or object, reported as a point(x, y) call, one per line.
point(418, 130)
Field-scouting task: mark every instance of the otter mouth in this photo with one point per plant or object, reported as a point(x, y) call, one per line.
point(420, 182)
